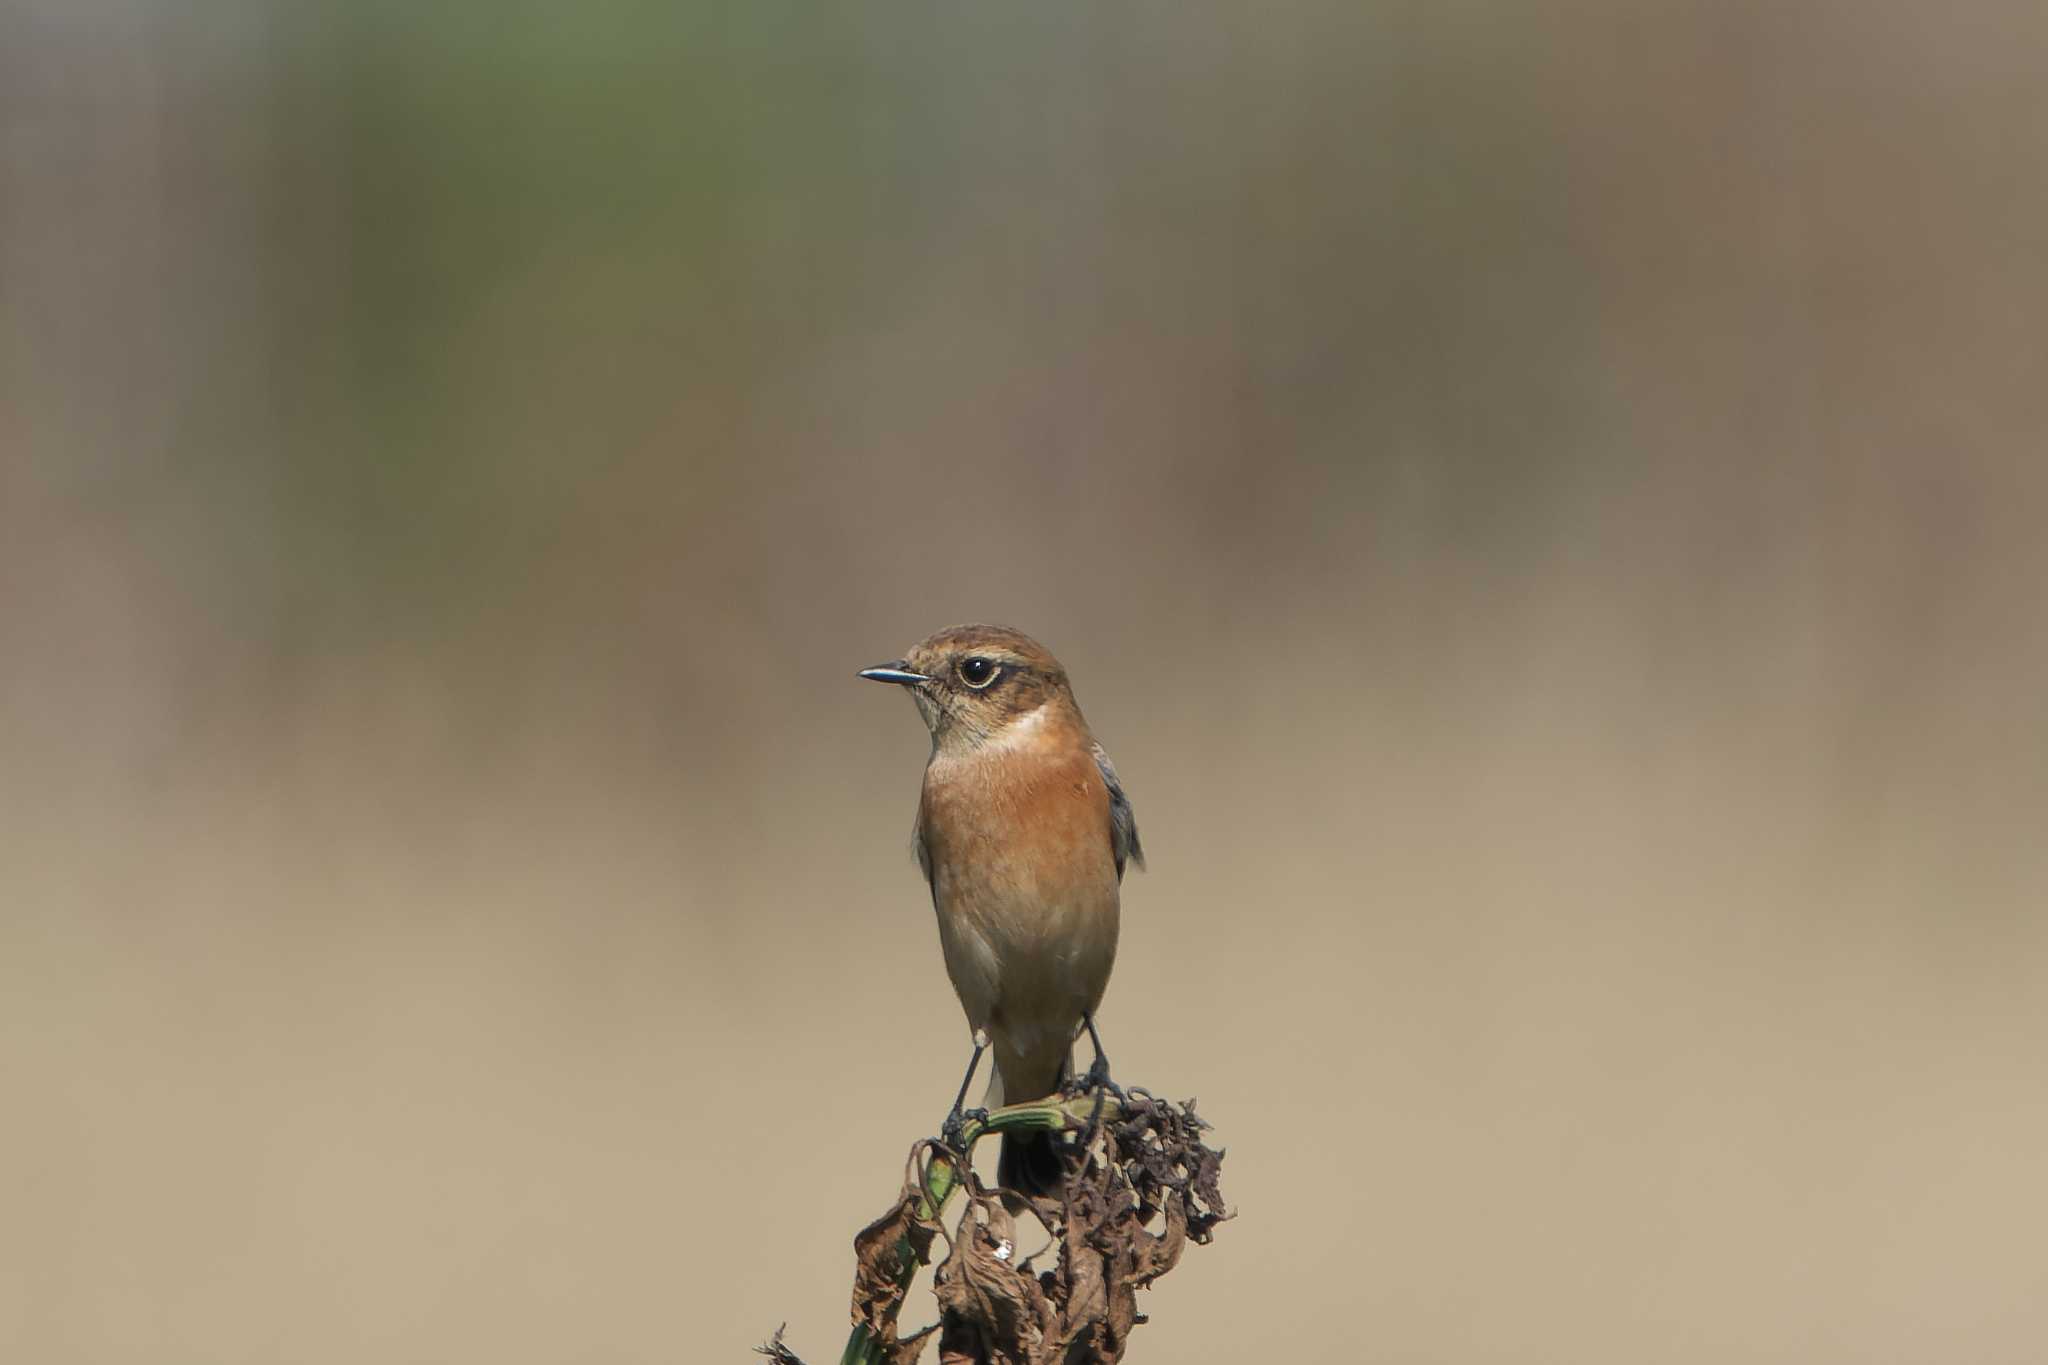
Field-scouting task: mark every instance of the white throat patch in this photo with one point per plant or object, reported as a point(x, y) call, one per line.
point(1018, 734)
point(1020, 731)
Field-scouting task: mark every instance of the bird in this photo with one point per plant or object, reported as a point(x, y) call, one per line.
point(1023, 833)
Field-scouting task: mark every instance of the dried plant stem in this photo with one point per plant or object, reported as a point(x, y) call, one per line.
point(940, 1179)
point(1140, 1163)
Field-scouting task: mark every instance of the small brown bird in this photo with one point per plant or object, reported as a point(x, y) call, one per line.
point(1023, 832)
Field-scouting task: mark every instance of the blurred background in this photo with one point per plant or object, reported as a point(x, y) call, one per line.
point(1544, 505)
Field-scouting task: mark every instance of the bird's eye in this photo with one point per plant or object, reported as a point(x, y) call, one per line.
point(977, 672)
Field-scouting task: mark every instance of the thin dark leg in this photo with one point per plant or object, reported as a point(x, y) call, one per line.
point(1097, 1080)
point(950, 1131)
point(972, 1064)
point(1098, 1070)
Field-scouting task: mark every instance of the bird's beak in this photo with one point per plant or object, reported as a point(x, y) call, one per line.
point(893, 673)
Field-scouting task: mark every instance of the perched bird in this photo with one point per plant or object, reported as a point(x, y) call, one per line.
point(1023, 833)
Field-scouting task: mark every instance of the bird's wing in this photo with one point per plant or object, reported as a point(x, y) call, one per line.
point(921, 850)
point(1123, 824)
point(921, 853)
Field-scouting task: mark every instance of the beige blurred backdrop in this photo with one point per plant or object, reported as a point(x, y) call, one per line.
point(1545, 506)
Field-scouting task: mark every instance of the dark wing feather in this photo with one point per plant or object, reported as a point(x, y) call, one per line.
point(1123, 825)
point(921, 851)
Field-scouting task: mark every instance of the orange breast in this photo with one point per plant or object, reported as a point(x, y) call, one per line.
point(1027, 824)
point(1024, 882)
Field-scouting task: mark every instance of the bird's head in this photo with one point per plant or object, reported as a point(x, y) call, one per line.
point(973, 683)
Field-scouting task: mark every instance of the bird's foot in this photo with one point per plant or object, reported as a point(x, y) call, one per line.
point(1097, 1078)
point(1094, 1081)
point(953, 1132)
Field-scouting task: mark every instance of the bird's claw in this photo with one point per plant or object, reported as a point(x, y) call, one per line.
point(1097, 1078)
point(953, 1132)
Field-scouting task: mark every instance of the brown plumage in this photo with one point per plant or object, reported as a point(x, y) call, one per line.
point(1023, 832)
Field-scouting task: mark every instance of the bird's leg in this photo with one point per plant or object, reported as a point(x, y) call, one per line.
point(1097, 1080)
point(1098, 1070)
point(952, 1131)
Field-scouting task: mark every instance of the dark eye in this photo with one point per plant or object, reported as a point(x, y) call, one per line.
point(977, 672)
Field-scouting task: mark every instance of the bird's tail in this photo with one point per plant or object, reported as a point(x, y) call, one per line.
point(1030, 1163)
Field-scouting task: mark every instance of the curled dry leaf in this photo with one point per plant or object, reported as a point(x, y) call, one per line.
point(776, 1351)
point(886, 1254)
point(990, 1309)
point(1146, 1165)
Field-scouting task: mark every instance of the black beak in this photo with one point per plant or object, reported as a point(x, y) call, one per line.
point(893, 672)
